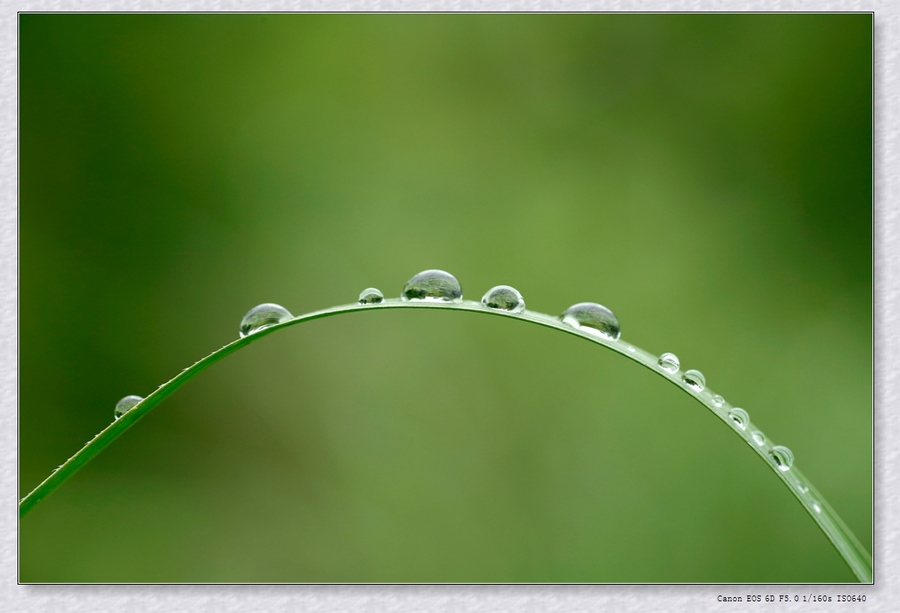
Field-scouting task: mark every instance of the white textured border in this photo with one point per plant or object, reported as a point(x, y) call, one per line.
point(884, 596)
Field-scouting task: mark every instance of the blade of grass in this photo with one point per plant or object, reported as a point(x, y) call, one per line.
point(854, 553)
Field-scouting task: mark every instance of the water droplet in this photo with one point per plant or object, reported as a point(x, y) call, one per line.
point(263, 316)
point(669, 362)
point(718, 401)
point(433, 286)
point(631, 349)
point(505, 298)
point(802, 487)
point(739, 417)
point(783, 457)
point(594, 318)
point(126, 404)
point(695, 380)
point(815, 505)
point(758, 437)
point(371, 295)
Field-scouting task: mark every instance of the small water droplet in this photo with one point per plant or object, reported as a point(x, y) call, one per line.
point(815, 505)
point(263, 316)
point(505, 298)
point(371, 295)
point(631, 349)
point(782, 456)
point(758, 437)
point(433, 286)
point(695, 380)
point(739, 417)
point(126, 404)
point(594, 318)
point(802, 487)
point(669, 363)
point(718, 401)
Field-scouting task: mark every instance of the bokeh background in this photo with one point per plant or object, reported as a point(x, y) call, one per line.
point(707, 177)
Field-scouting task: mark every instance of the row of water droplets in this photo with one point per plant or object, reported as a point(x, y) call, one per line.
point(779, 455)
point(427, 286)
point(590, 317)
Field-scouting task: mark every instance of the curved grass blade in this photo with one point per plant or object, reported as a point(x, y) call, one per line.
point(854, 553)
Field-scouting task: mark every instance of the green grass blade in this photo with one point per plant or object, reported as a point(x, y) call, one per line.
point(843, 539)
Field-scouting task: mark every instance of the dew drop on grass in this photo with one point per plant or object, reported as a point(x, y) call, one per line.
point(782, 456)
point(802, 487)
point(432, 286)
point(758, 437)
point(718, 401)
point(594, 318)
point(669, 363)
point(263, 316)
point(815, 505)
point(126, 404)
point(371, 295)
point(504, 298)
point(739, 417)
point(694, 380)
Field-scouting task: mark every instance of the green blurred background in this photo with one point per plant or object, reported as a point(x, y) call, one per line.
point(707, 177)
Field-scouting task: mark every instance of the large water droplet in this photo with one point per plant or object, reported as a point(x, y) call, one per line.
point(758, 437)
point(433, 286)
point(694, 380)
point(783, 457)
point(263, 316)
point(669, 363)
point(718, 401)
point(739, 417)
point(126, 404)
point(594, 318)
point(505, 298)
point(371, 295)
